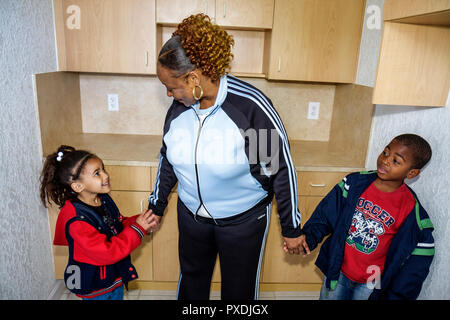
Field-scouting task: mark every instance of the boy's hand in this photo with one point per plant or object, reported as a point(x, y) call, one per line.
point(296, 245)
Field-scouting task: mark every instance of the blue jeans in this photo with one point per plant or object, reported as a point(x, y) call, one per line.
point(346, 290)
point(116, 294)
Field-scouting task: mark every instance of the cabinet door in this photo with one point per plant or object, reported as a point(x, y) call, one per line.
point(129, 178)
point(165, 245)
point(115, 36)
point(60, 253)
point(245, 14)
point(174, 11)
point(129, 204)
point(281, 267)
point(316, 40)
point(413, 67)
point(397, 9)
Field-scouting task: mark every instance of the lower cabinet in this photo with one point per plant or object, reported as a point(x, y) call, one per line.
point(131, 203)
point(156, 260)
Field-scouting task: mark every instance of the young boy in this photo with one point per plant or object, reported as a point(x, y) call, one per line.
point(380, 244)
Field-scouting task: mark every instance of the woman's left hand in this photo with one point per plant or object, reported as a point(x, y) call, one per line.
point(296, 245)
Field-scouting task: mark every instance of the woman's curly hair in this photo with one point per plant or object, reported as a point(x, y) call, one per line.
point(207, 45)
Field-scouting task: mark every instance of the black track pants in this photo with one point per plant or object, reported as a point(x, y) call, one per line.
point(240, 244)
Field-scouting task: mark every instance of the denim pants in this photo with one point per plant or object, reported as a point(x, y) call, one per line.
point(346, 289)
point(116, 294)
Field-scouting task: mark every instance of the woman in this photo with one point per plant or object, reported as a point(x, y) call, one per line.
point(226, 147)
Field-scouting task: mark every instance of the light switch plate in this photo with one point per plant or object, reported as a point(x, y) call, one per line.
point(313, 110)
point(113, 102)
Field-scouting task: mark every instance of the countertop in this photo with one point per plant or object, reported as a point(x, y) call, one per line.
point(143, 150)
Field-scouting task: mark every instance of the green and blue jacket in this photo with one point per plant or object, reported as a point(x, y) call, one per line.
point(409, 256)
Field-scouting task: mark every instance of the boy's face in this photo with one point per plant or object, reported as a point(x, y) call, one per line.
point(395, 163)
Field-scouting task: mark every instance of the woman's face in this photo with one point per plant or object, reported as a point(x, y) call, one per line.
point(177, 87)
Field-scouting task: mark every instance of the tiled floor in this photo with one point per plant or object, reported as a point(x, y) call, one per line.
point(215, 295)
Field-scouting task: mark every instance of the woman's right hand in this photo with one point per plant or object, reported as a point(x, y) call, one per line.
point(148, 221)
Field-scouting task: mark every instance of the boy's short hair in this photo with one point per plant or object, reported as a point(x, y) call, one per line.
point(420, 148)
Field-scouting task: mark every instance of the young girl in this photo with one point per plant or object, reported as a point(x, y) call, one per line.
point(100, 239)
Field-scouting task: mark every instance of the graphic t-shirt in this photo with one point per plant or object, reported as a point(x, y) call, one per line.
point(377, 218)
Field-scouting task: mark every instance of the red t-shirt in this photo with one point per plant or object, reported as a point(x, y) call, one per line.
point(378, 216)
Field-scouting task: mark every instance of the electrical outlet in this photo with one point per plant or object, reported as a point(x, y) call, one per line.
point(113, 102)
point(313, 110)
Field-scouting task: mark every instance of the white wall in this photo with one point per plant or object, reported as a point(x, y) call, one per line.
point(433, 184)
point(27, 46)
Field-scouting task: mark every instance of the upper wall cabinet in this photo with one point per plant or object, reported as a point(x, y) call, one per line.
point(316, 40)
point(430, 12)
point(245, 14)
point(253, 14)
point(114, 36)
point(174, 11)
point(414, 62)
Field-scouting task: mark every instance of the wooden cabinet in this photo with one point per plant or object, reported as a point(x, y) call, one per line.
point(129, 204)
point(414, 56)
point(245, 14)
point(165, 245)
point(174, 11)
point(316, 40)
point(415, 10)
point(60, 253)
point(280, 267)
point(130, 188)
point(114, 36)
point(256, 14)
point(156, 260)
point(130, 178)
point(247, 21)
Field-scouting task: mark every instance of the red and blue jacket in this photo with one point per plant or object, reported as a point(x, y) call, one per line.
point(99, 255)
point(410, 253)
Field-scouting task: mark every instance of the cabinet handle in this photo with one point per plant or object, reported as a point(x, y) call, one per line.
point(224, 9)
point(146, 58)
point(142, 205)
point(320, 185)
point(279, 64)
point(206, 6)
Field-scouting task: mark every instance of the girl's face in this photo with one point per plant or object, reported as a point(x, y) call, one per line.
point(94, 177)
point(177, 87)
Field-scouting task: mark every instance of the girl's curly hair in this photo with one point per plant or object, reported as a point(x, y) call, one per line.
point(207, 45)
point(60, 169)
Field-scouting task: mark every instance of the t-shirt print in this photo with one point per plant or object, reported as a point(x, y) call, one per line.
point(377, 217)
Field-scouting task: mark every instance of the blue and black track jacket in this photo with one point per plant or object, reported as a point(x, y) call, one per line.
point(410, 253)
point(230, 161)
